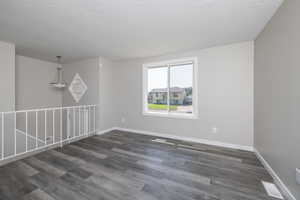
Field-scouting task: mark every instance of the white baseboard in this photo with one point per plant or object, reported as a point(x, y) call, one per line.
point(189, 139)
point(105, 131)
point(287, 193)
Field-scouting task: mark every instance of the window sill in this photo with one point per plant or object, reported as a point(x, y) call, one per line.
point(171, 115)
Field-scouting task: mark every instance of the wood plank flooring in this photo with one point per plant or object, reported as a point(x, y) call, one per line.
point(127, 166)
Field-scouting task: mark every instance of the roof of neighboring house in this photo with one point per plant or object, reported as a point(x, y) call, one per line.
point(173, 89)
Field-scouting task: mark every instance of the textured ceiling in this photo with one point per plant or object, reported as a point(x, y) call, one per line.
point(124, 29)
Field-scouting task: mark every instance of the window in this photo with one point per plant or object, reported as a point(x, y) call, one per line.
point(170, 88)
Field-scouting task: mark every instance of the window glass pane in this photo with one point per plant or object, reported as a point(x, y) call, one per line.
point(181, 88)
point(158, 89)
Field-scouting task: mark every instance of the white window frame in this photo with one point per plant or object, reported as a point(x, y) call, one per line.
point(168, 63)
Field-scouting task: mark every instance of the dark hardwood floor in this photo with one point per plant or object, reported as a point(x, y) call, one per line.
point(127, 166)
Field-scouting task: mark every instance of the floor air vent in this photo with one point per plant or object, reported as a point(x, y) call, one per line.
point(272, 190)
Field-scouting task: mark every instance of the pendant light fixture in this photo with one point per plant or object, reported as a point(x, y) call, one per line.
point(59, 83)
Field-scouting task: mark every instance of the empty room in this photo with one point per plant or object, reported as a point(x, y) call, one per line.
point(149, 99)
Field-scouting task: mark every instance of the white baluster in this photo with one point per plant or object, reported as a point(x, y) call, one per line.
point(68, 124)
point(74, 119)
point(79, 120)
point(53, 123)
point(61, 127)
point(2, 137)
point(26, 130)
point(15, 132)
point(36, 129)
point(45, 128)
point(94, 119)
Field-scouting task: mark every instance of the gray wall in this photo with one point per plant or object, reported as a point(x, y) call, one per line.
point(108, 94)
point(97, 73)
point(277, 93)
point(32, 84)
point(225, 94)
point(7, 91)
point(88, 71)
point(7, 76)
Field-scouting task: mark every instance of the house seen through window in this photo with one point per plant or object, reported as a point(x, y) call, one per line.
point(169, 88)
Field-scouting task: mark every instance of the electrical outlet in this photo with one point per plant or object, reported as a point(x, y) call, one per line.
point(123, 120)
point(298, 175)
point(214, 129)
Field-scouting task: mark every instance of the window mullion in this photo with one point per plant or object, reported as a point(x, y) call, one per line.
point(168, 98)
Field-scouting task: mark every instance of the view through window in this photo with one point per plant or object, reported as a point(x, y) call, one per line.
point(170, 88)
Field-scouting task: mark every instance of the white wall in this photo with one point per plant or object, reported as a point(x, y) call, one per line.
point(277, 94)
point(32, 84)
point(225, 94)
point(7, 76)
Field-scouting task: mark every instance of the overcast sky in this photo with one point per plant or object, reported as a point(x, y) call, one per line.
point(180, 76)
